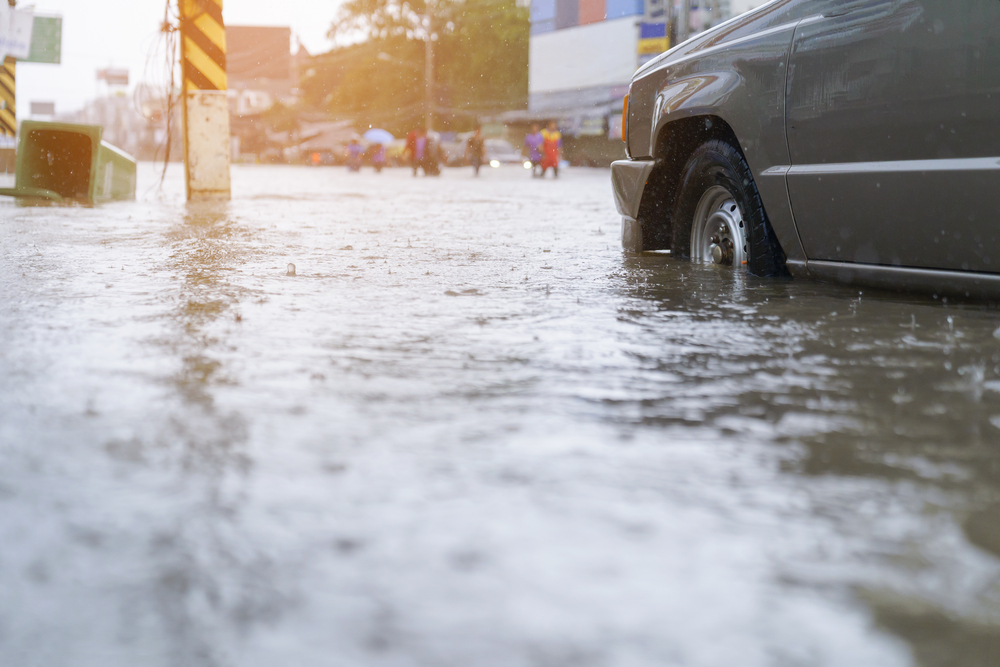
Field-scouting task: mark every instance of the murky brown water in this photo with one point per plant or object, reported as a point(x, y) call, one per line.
point(469, 431)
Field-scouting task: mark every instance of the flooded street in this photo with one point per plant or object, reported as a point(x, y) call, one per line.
point(467, 430)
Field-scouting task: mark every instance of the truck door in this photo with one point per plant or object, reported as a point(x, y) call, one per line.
point(893, 125)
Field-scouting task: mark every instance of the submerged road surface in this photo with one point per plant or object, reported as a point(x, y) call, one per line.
point(466, 430)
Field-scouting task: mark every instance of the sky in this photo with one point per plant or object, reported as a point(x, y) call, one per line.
point(121, 34)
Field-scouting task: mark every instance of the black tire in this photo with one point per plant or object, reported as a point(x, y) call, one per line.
point(714, 164)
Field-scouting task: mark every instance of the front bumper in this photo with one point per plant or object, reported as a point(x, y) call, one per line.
point(628, 179)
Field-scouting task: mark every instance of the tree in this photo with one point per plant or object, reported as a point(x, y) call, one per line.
point(280, 118)
point(480, 57)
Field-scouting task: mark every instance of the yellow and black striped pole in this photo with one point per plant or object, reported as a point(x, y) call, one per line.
point(8, 93)
point(206, 109)
point(8, 100)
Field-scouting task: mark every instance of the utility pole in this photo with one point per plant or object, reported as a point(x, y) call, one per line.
point(8, 93)
point(716, 12)
point(684, 22)
point(429, 70)
point(204, 103)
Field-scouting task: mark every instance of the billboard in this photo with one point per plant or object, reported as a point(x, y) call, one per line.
point(583, 53)
point(551, 15)
point(653, 39)
point(113, 76)
point(43, 108)
point(598, 54)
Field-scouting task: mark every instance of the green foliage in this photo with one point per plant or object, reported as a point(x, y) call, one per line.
point(480, 58)
point(280, 118)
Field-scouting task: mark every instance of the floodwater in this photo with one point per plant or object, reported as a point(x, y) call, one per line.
point(469, 431)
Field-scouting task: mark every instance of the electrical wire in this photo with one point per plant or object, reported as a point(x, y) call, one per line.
point(160, 85)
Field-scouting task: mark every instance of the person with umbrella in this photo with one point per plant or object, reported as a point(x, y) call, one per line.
point(376, 154)
point(378, 136)
point(378, 140)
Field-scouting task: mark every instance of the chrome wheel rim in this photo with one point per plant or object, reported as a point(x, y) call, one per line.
point(718, 234)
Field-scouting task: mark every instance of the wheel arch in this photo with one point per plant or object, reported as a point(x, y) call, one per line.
point(673, 145)
point(738, 84)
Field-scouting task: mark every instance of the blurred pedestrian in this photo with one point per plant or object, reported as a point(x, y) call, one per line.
point(551, 149)
point(377, 152)
point(533, 142)
point(431, 161)
point(475, 150)
point(416, 149)
point(354, 151)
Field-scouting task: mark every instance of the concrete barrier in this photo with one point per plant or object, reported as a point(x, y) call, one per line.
point(60, 161)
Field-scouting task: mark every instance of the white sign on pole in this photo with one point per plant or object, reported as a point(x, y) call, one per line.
point(656, 11)
point(5, 12)
point(19, 38)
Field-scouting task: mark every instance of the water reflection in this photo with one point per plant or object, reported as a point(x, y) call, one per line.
point(207, 246)
point(460, 414)
point(867, 385)
point(206, 568)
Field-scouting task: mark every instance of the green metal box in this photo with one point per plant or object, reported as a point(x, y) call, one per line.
point(60, 161)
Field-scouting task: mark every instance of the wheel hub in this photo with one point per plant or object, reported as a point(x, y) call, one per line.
point(718, 233)
point(722, 251)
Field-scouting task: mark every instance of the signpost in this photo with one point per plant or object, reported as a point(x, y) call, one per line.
point(46, 40)
point(22, 23)
point(654, 38)
point(113, 76)
point(26, 37)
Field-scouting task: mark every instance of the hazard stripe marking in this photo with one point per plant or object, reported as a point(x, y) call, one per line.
point(195, 80)
point(214, 31)
point(217, 55)
point(8, 88)
point(204, 45)
point(8, 122)
point(210, 7)
point(207, 67)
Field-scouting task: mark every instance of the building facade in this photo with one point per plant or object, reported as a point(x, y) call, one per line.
point(583, 54)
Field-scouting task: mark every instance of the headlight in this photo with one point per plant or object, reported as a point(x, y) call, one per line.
point(527, 164)
point(494, 163)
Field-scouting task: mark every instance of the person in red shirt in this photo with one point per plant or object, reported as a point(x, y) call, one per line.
point(416, 149)
point(551, 149)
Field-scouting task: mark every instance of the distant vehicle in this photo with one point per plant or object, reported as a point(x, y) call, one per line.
point(500, 151)
point(847, 140)
point(395, 153)
point(453, 148)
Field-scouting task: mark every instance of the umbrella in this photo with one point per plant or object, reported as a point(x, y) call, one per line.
point(377, 136)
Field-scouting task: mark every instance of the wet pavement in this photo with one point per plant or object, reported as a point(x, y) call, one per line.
point(470, 431)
